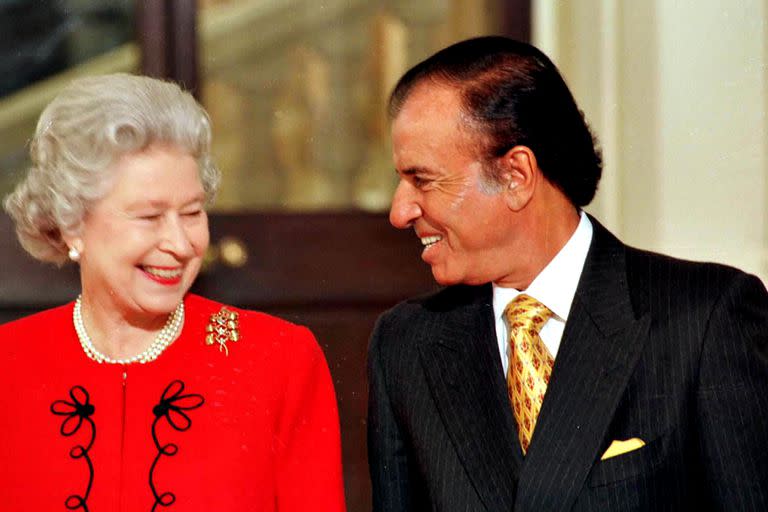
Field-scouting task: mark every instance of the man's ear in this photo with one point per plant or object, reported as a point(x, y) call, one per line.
point(520, 175)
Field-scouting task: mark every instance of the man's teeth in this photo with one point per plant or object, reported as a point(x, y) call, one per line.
point(164, 273)
point(430, 240)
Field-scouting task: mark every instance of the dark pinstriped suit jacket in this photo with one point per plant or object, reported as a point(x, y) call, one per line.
point(672, 352)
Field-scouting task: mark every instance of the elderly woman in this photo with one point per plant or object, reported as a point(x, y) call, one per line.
point(139, 395)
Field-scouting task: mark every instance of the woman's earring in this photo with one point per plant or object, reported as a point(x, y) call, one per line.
point(74, 254)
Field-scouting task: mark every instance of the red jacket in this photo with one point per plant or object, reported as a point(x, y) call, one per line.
point(195, 430)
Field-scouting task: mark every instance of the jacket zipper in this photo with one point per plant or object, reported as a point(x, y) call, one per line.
point(124, 391)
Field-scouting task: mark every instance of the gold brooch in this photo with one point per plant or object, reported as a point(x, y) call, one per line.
point(222, 328)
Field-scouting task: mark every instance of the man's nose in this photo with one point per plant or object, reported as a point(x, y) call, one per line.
point(405, 208)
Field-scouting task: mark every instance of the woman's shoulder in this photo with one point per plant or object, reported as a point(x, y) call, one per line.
point(254, 329)
point(35, 337)
point(201, 308)
point(43, 321)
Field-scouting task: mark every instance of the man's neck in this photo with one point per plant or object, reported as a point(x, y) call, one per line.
point(548, 231)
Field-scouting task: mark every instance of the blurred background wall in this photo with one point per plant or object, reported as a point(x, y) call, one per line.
point(678, 93)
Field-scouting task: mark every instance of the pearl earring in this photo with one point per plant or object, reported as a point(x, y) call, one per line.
point(74, 254)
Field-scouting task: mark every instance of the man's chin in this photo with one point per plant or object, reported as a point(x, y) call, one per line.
point(444, 278)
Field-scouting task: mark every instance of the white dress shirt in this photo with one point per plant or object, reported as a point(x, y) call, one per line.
point(554, 287)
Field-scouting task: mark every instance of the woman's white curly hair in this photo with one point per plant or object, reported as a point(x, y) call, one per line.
point(91, 123)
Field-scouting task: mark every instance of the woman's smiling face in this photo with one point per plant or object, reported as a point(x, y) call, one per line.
point(143, 243)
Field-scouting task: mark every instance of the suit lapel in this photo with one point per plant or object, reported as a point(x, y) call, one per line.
point(465, 376)
point(600, 347)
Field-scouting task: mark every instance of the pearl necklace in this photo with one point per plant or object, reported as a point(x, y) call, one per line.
point(164, 338)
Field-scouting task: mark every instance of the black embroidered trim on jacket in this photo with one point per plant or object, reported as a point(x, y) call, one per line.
point(78, 410)
point(171, 407)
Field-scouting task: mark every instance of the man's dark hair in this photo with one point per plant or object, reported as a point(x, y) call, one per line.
point(515, 96)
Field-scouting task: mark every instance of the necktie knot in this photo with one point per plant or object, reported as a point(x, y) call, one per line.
point(526, 313)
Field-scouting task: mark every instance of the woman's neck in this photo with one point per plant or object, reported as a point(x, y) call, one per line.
point(118, 334)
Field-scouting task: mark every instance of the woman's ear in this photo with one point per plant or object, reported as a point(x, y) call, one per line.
point(520, 176)
point(75, 244)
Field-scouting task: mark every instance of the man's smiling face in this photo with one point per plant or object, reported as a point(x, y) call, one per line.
point(443, 193)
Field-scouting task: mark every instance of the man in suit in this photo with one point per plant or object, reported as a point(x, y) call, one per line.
point(639, 382)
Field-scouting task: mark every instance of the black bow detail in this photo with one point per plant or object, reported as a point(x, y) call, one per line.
point(171, 407)
point(173, 404)
point(79, 410)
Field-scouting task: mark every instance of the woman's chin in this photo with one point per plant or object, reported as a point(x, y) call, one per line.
point(159, 305)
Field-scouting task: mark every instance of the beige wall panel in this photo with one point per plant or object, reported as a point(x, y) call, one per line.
point(677, 93)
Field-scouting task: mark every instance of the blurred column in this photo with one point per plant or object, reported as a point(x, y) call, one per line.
point(376, 180)
point(166, 31)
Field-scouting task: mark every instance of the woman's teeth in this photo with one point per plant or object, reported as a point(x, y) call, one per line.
point(163, 272)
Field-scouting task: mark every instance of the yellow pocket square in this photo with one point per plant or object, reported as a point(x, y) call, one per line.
point(621, 447)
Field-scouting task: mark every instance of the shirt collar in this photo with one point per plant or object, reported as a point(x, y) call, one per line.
point(555, 286)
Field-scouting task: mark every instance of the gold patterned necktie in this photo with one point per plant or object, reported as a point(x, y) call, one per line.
point(530, 363)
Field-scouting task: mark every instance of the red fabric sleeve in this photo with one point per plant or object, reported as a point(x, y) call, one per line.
point(308, 445)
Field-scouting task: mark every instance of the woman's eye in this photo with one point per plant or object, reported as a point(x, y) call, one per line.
point(193, 213)
point(152, 216)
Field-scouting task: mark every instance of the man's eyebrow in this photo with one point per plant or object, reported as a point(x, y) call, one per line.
point(410, 171)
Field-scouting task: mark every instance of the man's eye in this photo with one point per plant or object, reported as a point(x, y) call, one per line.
point(192, 213)
point(150, 217)
point(419, 182)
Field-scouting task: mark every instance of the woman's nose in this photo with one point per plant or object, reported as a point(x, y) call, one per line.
point(175, 237)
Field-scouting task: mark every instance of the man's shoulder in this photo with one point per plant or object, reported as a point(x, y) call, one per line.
point(402, 330)
point(416, 318)
point(439, 302)
point(654, 268)
point(669, 284)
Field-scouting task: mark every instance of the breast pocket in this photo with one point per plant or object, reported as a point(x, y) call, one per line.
point(644, 460)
